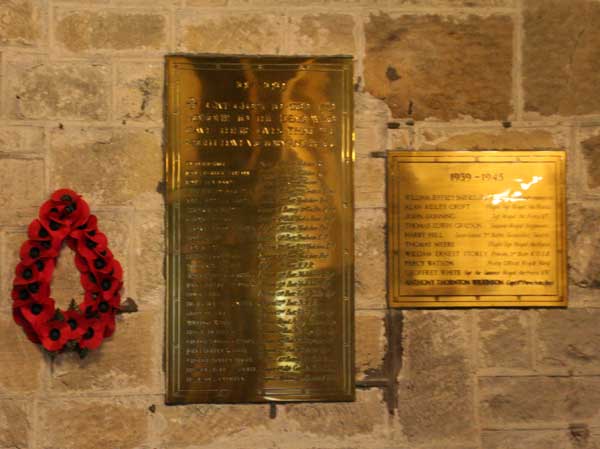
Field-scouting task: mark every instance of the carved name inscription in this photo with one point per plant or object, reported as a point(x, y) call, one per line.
point(259, 170)
point(477, 228)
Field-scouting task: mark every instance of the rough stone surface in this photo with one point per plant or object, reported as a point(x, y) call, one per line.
point(436, 67)
point(497, 139)
point(584, 245)
point(454, 3)
point(22, 22)
point(578, 437)
point(124, 363)
point(561, 71)
point(366, 416)
point(110, 30)
point(21, 139)
point(547, 401)
point(108, 166)
point(14, 424)
point(370, 258)
point(149, 257)
point(591, 156)
point(435, 393)
point(321, 33)
point(578, 349)
point(139, 91)
point(21, 362)
point(370, 331)
point(504, 339)
point(230, 33)
point(369, 182)
point(22, 187)
point(201, 424)
point(111, 422)
point(40, 89)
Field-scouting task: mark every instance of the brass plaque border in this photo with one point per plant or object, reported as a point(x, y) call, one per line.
point(394, 189)
point(175, 394)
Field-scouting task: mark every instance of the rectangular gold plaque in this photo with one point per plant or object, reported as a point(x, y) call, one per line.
point(476, 228)
point(260, 229)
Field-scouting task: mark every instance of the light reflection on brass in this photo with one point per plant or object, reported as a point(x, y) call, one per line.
point(476, 228)
point(259, 229)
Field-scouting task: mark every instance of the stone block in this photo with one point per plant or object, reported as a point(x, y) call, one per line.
point(371, 344)
point(22, 183)
point(139, 91)
point(40, 89)
point(110, 30)
point(561, 71)
point(15, 423)
point(590, 154)
point(578, 437)
point(538, 401)
point(91, 423)
point(229, 33)
point(108, 166)
point(569, 340)
point(492, 139)
point(365, 417)
point(21, 139)
point(436, 383)
point(430, 66)
point(329, 34)
point(23, 23)
point(584, 245)
point(22, 363)
point(128, 362)
point(149, 256)
point(504, 339)
point(454, 3)
point(203, 424)
point(369, 182)
point(370, 258)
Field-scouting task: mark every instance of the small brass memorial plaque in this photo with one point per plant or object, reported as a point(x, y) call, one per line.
point(476, 228)
point(259, 229)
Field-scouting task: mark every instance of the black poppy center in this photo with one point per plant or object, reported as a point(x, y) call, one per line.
point(34, 288)
point(34, 253)
point(36, 309)
point(40, 265)
point(90, 244)
point(72, 324)
point(105, 285)
point(27, 273)
point(23, 294)
point(103, 307)
point(66, 198)
point(54, 334)
point(43, 233)
point(99, 264)
point(54, 226)
point(92, 277)
point(89, 334)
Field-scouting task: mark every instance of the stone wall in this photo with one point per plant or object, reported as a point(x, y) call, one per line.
point(81, 106)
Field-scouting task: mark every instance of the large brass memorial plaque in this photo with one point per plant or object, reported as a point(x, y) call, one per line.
point(476, 228)
point(259, 229)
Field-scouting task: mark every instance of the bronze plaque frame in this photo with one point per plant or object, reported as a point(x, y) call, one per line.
point(510, 249)
point(260, 268)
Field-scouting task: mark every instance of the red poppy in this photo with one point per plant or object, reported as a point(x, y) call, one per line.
point(72, 208)
point(53, 334)
point(76, 323)
point(37, 312)
point(92, 246)
point(31, 251)
point(91, 224)
point(93, 336)
point(25, 274)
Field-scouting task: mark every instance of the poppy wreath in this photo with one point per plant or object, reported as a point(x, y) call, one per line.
point(65, 217)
